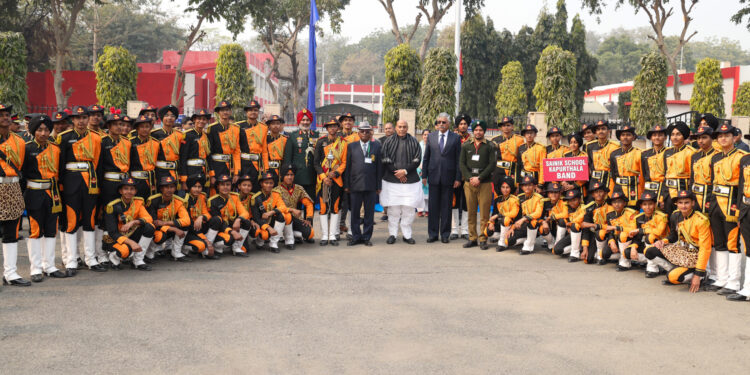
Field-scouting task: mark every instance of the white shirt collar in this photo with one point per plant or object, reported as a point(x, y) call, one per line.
point(443, 133)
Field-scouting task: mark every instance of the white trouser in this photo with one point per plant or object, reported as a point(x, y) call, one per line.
point(599, 249)
point(663, 263)
point(333, 230)
point(323, 227)
point(400, 216)
point(136, 257)
point(237, 244)
point(101, 255)
point(10, 257)
point(735, 271)
point(624, 261)
point(457, 224)
point(502, 241)
point(711, 271)
point(575, 244)
point(528, 243)
point(279, 228)
point(41, 255)
point(177, 244)
point(70, 257)
point(722, 269)
point(289, 234)
point(89, 244)
point(745, 291)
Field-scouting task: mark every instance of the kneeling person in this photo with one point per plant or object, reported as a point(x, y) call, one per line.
point(293, 196)
point(129, 227)
point(619, 224)
point(270, 212)
point(651, 227)
point(532, 207)
point(197, 207)
point(230, 222)
point(507, 209)
point(570, 243)
point(170, 218)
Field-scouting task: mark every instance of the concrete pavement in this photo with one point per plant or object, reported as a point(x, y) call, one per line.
point(426, 308)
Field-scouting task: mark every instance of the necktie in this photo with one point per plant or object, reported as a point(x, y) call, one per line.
point(442, 142)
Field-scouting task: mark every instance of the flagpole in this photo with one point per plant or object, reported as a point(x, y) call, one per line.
point(311, 64)
point(457, 51)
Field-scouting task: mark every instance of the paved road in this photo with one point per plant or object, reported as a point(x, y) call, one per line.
point(384, 309)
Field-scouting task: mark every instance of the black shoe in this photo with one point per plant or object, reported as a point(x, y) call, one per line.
point(274, 250)
point(310, 240)
point(17, 282)
point(323, 242)
point(492, 240)
point(290, 247)
point(384, 218)
point(57, 274)
point(431, 240)
point(334, 243)
point(70, 272)
point(368, 243)
point(391, 240)
point(483, 245)
point(651, 275)
point(148, 260)
point(348, 236)
point(736, 297)
point(453, 237)
point(501, 248)
point(106, 264)
point(182, 259)
point(445, 240)
point(410, 241)
point(338, 237)
point(465, 236)
point(470, 244)
point(711, 288)
point(38, 278)
point(525, 252)
point(667, 282)
point(352, 243)
point(98, 268)
point(240, 254)
point(726, 292)
point(212, 257)
point(622, 269)
point(574, 259)
point(115, 267)
point(601, 262)
point(142, 267)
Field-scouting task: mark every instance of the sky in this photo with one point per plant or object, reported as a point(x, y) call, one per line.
point(361, 17)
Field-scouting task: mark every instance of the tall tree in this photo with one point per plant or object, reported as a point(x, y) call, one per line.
point(481, 51)
point(433, 11)
point(618, 58)
point(30, 18)
point(511, 94)
point(649, 95)
point(555, 88)
point(586, 65)
point(403, 78)
point(13, 67)
point(234, 82)
point(437, 93)
point(116, 77)
point(708, 90)
point(658, 12)
point(63, 21)
point(279, 32)
point(741, 106)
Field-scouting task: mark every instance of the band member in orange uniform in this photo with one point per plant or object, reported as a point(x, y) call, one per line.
point(253, 144)
point(12, 152)
point(652, 164)
point(129, 228)
point(599, 156)
point(530, 155)
point(651, 225)
point(508, 143)
point(532, 206)
point(459, 215)
point(270, 212)
point(194, 150)
point(170, 140)
point(230, 221)
point(625, 166)
point(42, 197)
point(276, 143)
point(143, 153)
point(677, 163)
point(171, 219)
point(701, 174)
point(197, 206)
point(79, 160)
point(330, 163)
point(224, 139)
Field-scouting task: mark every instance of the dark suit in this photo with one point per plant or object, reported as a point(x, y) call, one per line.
point(440, 168)
point(363, 181)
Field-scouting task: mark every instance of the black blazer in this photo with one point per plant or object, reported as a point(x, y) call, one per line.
point(361, 176)
point(441, 168)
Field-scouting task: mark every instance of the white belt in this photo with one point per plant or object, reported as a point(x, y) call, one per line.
point(37, 185)
point(139, 174)
point(504, 164)
point(699, 189)
point(77, 166)
point(196, 162)
point(8, 180)
point(673, 183)
point(166, 164)
point(274, 164)
point(221, 157)
point(597, 174)
point(746, 200)
point(623, 180)
point(251, 157)
point(114, 176)
point(722, 190)
point(652, 185)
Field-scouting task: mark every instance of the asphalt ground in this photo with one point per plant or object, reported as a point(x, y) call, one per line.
point(424, 308)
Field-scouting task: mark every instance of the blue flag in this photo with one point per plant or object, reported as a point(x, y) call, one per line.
point(311, 63)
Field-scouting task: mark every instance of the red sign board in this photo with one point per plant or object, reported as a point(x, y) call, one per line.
point(566, 169)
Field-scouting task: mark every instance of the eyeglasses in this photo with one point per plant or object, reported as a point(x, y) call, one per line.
point(442, 122)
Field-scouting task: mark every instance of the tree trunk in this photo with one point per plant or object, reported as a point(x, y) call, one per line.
point(95, 33)
point(676, 85)
point(64, 29)
point(177, 86)
point(62, 100)
point(426, 41)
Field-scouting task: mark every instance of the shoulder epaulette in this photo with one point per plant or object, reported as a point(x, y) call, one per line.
point(587, 205)
point(590, 142)
point(639, 215)
point(137, 198)
point(543, 199)
point(153, 197)
point(234, 193)
point(181, 199)
point(213, 197)
point(660, 213)
point(65, 132)
point(628, 209)
point(701, 215)
point(110, 205)
point(257, 194)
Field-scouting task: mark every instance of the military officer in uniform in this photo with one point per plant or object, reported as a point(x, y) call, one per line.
point(330, 163)
point(299, 152)
point(460, 218)
point(300, 206)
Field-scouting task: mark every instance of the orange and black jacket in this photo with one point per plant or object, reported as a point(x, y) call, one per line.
point(276, 145)
point(695, 230)
point(118, 214)
point(115, 155)
point(253, 146)
point(173, 211)
point(743, 199)
point(599, 160)
point(532, 207)
point(652, 165)
point(597, 214)
point(555, 211)
point(335, 147)
point(194, 151)
point(295, 197)
point(575, 217)
point(624, 221)
point(507, 210)
point(263, 203)
point(625, 167)
point(726, 179)
point(677, 164)
point(530, 159)
point(508, 152)
point(652, 228)
point(701, 177)
point(83, 149)
point(12, 151)
point(227, 208)
point(143, 153)
point(169, 149)
point(349, 136)
point(557, 152)
point(40, 165)
point(225, 149)
point(197, 207)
